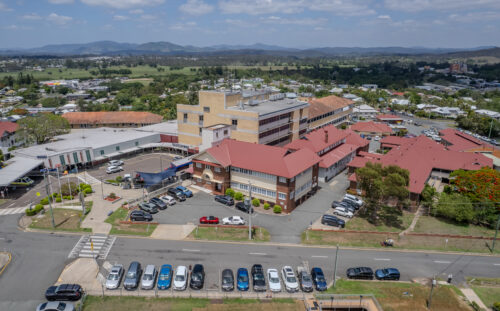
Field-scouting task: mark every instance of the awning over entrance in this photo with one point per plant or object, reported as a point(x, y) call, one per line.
point(17, 168)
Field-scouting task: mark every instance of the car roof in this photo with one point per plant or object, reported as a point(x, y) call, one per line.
point(198, 268)
point(272, 271)
point(242, 271)
point(181, 269)
point(227, 272)
point(116, 268)
point(317, 270)
point(149, 269)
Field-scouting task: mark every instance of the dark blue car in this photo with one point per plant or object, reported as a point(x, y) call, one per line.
point(165, 277)
point(318, 279)
point(242, 279)
point(387, 274)
point(185, 191)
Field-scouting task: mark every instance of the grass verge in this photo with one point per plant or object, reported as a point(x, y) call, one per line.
point(391, 220)
point(403, 296)
point(128, 229)
point(94, 303)
point(429, 224)
point(488, 294)
point(229, 234)
point(64, 219)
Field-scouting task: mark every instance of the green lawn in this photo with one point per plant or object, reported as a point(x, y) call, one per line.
point(229, 234)
point(64, 219)
point(128, 303)
point(128, 229)
point(391, 220)
point(489, 295)
point(391, 295)
point(429, 224)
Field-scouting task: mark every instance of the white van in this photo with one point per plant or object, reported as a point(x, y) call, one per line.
point(180, 278)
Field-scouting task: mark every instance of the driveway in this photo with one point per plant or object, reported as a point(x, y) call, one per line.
point(283, 228)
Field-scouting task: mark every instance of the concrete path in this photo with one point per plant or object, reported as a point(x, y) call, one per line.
point(472, 297)
point(172, 232)
point(413, 222)
point(82, 271)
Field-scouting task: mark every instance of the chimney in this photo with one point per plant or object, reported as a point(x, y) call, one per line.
point(326, 136)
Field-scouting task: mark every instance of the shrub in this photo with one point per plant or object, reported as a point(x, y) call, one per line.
point(256, 202)
point(277, 209)
point(44, 201)
point(230, 192)
point(267, 206)
point(119, 179)
point(238, 196)
point(68, 197)
point(38, 207)
point(496, 306)
point(58, 200)
point(112, 195)
point(66, 187)
point(31, 212)
point(87, 190)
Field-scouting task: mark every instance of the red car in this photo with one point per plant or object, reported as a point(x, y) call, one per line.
point(212, 220)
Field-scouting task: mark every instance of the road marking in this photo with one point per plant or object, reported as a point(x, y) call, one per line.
point(258, 254)
point(190, 250)
point(496, 264)
point(439, 261)
point(382, 259)
point(318, 256)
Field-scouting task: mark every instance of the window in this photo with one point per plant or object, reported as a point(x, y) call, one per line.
point(75, 157)
point(198, 164)
point(117, 148)
point(206, 109)
point(217, 134)
point(102, 152)
point(200, 118)
point(283, 180)
point(292, 194)
point(61, 159)
point(208, 167)
point(185, 117)
point(87, 153)
point(200, 130)
point(234, 122)
point(282, 196)
point(225, 132)
point(137, 143)
point(217, 169)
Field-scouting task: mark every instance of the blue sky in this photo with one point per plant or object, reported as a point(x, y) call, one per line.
point(291, 23)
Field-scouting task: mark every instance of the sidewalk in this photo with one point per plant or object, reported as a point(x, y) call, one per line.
point(472, 297)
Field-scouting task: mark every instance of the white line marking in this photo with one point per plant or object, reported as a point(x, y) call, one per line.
point(439, 261)
point(190, 250)
point(258, 254)
point(496, 264)
point(382, 259)
point(318, 256)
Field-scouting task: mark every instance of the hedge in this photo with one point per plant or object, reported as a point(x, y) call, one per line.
point(277, 209)
point(35, 210)
point(44, 201)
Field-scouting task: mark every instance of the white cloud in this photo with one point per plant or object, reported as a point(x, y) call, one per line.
point(120, 18)
point(183, 26)
point(475, 17)
point(61, 1)
point(123, 4)
point(136, 11)
point(196, 7)
point(59, 19)
point(384, 17)
point(291, 21)
point(4, 7)
point(11, 27)
point(442, 5)
point(32, 17)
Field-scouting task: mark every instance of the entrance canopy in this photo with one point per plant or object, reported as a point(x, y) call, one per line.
point(17, 168)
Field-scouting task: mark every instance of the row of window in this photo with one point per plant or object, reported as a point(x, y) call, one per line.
point(285, 127)
point(253, 173)
point(331, 147)
point(274, 119)
point(303, 187)
point(62, 159)
point(324, 115)
point(308, 171)
point(257, 190)
point(208, 167)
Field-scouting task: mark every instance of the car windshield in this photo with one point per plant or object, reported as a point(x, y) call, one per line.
point(274, 280)
point(164, 277)
point(385, 271)
point(306, 278)
point(113, 276)
point(291, 279)
point(179, 278)
point(131, 275)
point(195, 277)
point(242, 278)
point(227, 280)
point(147, 277)
point(61, 306)
point(259, 276)
point(320, 279)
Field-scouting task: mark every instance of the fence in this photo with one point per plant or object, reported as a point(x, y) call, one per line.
point(345, 302)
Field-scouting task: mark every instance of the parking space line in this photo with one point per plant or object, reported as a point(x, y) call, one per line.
point(439, 261)
point(258, 254)
point(382, 259)
point(318, 256)
point(190, 250)
point(496, 264)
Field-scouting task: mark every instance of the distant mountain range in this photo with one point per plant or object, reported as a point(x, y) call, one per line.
point(168, 48)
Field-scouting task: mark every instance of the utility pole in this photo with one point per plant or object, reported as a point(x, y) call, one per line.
point(496, 233)
point(102, 189)
point(433, 283)
point(491, 126)
point(335, 267)
point(249, 210)
point(49, 196)
point(161, 170)
point(82, 202)
point(60, 189)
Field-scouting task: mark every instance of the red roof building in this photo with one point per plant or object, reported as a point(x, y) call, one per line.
point(7, 135)
point(371, 128)
point(277, 175)
point(111, 119)
point(426, 160)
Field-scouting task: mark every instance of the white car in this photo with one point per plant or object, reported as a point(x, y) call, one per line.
point(168, 199)
point(233, 220)
point(341, 211)
point(353, 198)
point(115, 163)
point(149, 277)
point(288, 276)
point(274, 280)
point(180, 278)
point(114, 169)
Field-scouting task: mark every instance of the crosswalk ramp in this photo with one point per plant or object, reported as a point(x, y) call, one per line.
point(93, 246)
point(12, 211)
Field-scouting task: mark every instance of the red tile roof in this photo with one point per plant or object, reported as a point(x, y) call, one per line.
point(353, 138)
point(112, 117)
point(421, 155)
point(320, 106)
point(6, 126)
point(337, 154)
point(460, 141)
point(371, 127)
point(272, 160)
point(319, 139)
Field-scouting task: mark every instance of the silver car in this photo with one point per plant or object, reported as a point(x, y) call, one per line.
point(149, 277)
point(114, 277)
point(55, 306)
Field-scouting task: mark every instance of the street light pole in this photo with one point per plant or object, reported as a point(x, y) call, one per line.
point(49, 196)
point(335, 267)
point(249, 210)
point(433, 283)
point(496, 233)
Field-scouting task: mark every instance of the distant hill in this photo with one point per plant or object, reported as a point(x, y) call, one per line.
point(168, 48)
point(492, 52)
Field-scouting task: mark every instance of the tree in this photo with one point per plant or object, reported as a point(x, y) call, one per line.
point(53, 102)
point(455, 207)
point(382, 184)
point(123, 99)
point(40, 128)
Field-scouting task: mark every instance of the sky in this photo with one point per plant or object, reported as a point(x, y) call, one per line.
point(289, 23)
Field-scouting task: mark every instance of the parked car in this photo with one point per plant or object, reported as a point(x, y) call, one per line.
point(305, 280)
point(318, 278)
point(133, 276)
point(158, 203)
point(168, 200)
point(139, 215)
point(387, 274)
point(188, 193)
point(288, 276)
point(55, 306)
point(350, 204)
point(64, 292)
point(351, 197)
point(242, 207)
point(180, 278)
point(197, 277)
point(164, 277)
point(176, 194)
point(149, 277)
point(115, 163)
point(212, 220)
point(342, 204)
point(233, 220)
point(242, 279)
point(342, 211)
point(273, 279)
point(114, 277)
point(114, 169)
point(360, 273)
point(224, 199)
point(148, 207)
point(331, 220)
point(258, 278)
point(227, 280)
